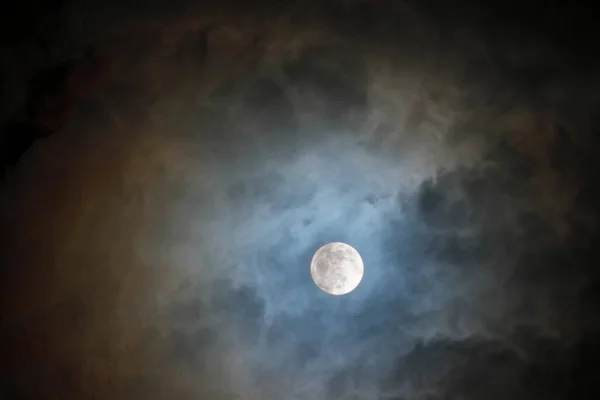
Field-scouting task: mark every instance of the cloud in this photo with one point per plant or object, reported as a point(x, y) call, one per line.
point(219, 153)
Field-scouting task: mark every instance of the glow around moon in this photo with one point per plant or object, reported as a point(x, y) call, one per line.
point(337, 268)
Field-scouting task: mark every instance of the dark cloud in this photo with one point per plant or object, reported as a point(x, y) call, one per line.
point(170, 183)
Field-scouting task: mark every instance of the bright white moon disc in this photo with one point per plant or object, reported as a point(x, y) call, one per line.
point(337, 268)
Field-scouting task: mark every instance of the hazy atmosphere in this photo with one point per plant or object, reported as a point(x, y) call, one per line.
point(170, 170)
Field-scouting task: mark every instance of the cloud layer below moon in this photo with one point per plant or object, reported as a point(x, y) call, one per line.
point(170, 224)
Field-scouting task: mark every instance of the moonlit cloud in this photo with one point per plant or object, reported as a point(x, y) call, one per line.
point(180, 205)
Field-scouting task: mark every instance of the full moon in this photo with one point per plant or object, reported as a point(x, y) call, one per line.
point(337, 268)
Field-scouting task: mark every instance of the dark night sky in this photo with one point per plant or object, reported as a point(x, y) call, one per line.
point(170, 168)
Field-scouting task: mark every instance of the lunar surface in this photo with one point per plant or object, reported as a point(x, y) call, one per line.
point(337, 268)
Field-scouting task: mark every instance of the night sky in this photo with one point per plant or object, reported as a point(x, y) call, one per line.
point(170, 168)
